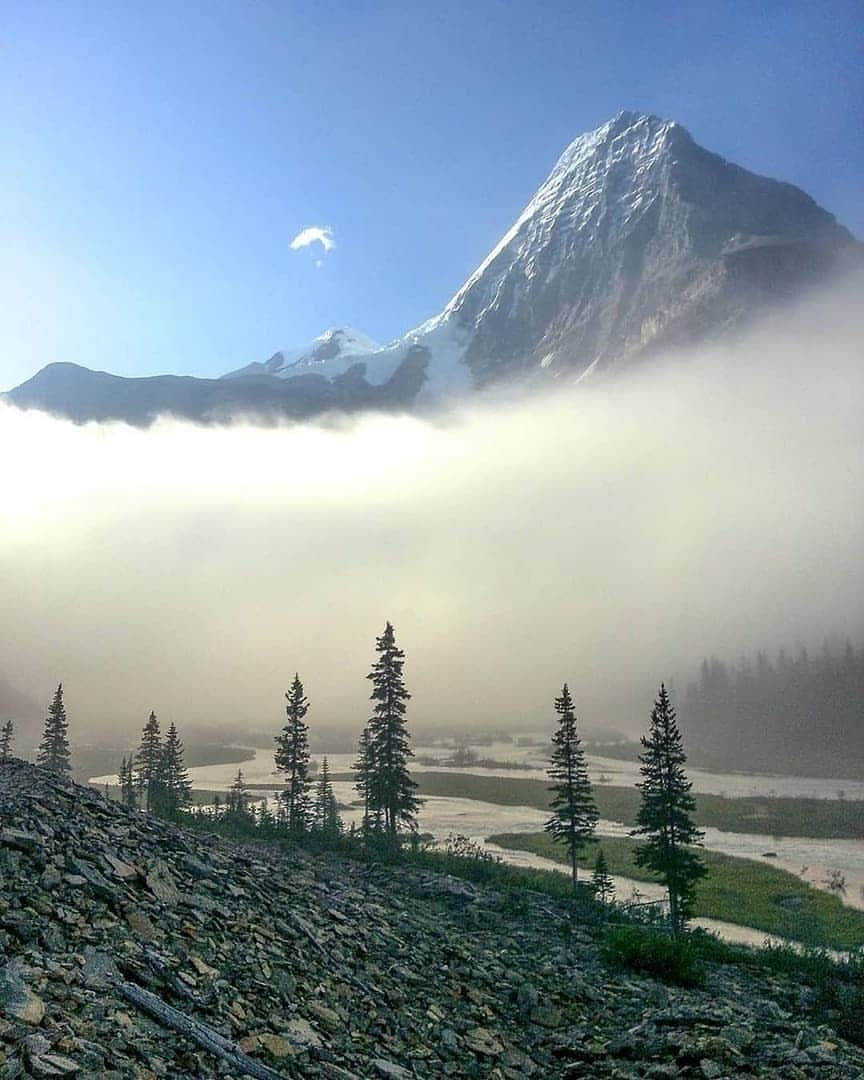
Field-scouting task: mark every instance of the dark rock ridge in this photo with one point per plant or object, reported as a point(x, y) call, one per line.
point(131, 948)
point(80, 394)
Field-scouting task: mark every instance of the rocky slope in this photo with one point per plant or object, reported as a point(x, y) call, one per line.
point(130, 948)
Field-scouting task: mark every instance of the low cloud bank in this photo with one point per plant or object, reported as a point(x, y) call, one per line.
point(609, 534)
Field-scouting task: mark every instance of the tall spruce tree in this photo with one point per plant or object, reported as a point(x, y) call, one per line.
point(325, 810)
point(292, 758)
point(390, 787)
point(148, 765)
point(177, 788)
point(574, 813)
point(7, 733)
point(664, 817)
point(54, 751)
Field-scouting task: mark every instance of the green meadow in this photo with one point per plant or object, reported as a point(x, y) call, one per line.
point(739, 891)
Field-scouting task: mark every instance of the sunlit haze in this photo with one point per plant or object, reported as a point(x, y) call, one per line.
point(610, 533)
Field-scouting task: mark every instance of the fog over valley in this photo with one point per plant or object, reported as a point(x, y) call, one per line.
point(431, 532)
point(611, 533)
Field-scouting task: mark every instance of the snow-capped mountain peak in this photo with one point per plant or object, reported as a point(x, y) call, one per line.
point(634, 240)
point(638, 240)
point(331, 353)
point(572, 195)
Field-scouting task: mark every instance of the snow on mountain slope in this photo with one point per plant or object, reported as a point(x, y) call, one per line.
point(637, 239)
point(330, 354)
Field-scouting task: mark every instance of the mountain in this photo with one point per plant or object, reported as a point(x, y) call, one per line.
point(330, 354)
point(81, 394)
point(134, 949)
point(639, 240)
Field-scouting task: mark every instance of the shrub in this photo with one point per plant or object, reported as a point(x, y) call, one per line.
point(463, 847)
point(839, 984)
point(670, 957)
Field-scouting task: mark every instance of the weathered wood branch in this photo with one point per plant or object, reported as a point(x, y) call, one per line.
point(200, 1033)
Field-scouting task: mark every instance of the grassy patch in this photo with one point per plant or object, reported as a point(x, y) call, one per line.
point(497, 875)
point(669, 957)
point(839, 986)
point(735, 890)
point(816, 818)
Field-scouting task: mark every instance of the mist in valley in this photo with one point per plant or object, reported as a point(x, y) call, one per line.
point(610, 533)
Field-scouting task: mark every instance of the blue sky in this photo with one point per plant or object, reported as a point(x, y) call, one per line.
point(157, 159)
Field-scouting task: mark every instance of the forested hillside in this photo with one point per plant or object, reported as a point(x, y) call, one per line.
point(797, 714)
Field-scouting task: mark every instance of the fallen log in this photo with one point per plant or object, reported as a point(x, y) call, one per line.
point(200, 1033)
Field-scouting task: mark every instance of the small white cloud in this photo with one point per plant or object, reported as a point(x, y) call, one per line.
point(314, 234)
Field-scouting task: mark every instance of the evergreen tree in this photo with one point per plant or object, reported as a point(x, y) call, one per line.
point(148, 765)
point(365, 770)
point(128, 786)
point(390, 787)
point(326, 812)
point(292, 758)
point(664, 817)
point(266, 821)
point(54, 749)
point(574, 814)
point(6, 736)
point(601, 882)
point(174, 777)
point(237, 810)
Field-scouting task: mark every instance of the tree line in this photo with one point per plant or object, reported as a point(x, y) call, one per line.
point(155, 779)
point(796, 713)
point(664, 822)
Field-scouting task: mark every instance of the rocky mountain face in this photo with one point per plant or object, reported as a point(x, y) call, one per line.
point(639, 240)
point(130, 948)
